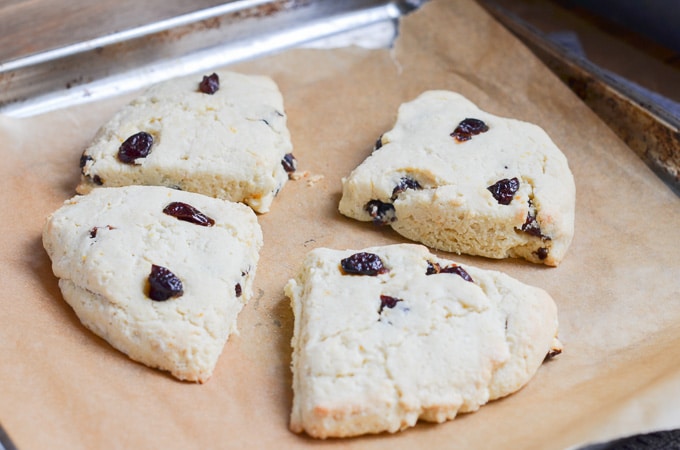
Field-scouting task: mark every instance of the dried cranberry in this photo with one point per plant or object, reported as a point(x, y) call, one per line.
point(363, 263)
point(210, 84)
point(289, 163)
point(432, 268)
point(542, 253)
point(458, 271)
point(188, 213)
point(531, 226)
point(387, 301)
point(381, 212)
point(378, 143)
point(504, 190)
point(237, 290)
point(84, 159)
point(552, 353)
point(468, 128)
point(404, 183)
point(163, 284)
point(136, 146)
point(93, 230)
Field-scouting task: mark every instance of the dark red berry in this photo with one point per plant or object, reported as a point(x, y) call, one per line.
point(237, 289)
point(504, 190)
point(404, 183)
point(188, 213)
point(363, 263)
point(458, 271)
point(378, 143)
point(553, 352)
point(135, 147)
point(468, 128)
point(94, 178)
point(163, 284)
point(210, 84)
point(93, 230)
point(387, 301)
point(84, 160)
point(432, 268)
point(381, 212)
point(542, 253)
point(289, 163)
point(531, 226)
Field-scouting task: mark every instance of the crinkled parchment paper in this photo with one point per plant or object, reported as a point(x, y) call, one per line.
point(618, 289)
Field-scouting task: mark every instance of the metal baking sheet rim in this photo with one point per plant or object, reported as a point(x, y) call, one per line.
point(196, 42)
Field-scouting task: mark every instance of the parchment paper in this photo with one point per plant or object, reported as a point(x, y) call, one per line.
point(618, 289)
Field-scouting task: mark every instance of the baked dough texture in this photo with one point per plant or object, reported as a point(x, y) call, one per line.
point(376, 353)
point(228, 145)
point(103, 245)
point(435, 189)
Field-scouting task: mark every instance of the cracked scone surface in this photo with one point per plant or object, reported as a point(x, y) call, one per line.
point(229, 144)
point(418, 341)
point(433, 188)
point(103, 245)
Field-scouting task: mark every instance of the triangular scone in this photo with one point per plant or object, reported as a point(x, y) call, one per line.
point(224, 136)
point(462, 180)
point(160, 274)
point(389, 335)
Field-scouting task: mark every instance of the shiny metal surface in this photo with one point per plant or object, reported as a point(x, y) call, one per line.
point(190, 43)
point(646, 125)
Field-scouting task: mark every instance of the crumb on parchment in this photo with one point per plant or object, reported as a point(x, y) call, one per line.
point(306, 175)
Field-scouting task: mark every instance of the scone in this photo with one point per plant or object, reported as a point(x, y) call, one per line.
point(459, 179)
point(389, 335)
point(159, 273)
point(222, 135)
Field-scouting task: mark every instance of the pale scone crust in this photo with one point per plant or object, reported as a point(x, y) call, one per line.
point(102, 246)
point(228, 145)
point(453, 210)
point(447, 346)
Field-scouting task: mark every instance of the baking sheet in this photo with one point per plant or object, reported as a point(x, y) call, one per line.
point(131, 58)
point(643, 119)
point(617, 290)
